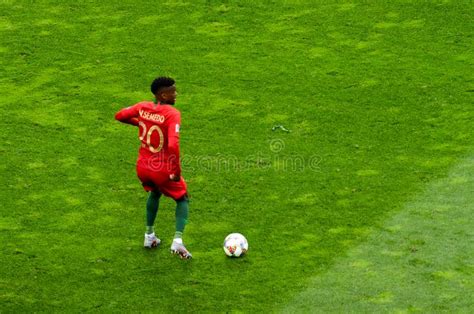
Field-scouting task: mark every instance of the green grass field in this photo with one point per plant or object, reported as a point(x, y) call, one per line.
point(365, 206)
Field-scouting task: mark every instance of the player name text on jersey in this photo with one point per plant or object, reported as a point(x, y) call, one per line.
point(152, 116)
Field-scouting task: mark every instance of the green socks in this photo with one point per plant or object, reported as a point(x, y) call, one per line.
point(151, 210)
point(182, 211)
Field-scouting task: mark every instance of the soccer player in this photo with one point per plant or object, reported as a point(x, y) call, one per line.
point(158, 164)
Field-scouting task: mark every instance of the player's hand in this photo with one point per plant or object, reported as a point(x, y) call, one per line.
point(174, 177)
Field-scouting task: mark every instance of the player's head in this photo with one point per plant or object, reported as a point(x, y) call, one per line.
point(164, 90)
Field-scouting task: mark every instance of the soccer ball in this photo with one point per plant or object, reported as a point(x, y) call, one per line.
point(235, 245)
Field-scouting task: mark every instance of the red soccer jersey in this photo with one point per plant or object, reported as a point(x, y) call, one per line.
point(158, 132)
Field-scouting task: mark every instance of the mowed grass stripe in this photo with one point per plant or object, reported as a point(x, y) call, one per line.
point(420, 261)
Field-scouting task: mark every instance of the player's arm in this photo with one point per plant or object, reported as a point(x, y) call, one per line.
point(173, 147)
point(128, 115)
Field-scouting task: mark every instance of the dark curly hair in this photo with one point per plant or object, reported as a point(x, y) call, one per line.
point(161, 82)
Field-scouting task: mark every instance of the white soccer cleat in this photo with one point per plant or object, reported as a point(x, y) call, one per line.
point(179, 249)
point(151, 241)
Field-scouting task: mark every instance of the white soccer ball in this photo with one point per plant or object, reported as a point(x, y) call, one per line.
point(235, 245)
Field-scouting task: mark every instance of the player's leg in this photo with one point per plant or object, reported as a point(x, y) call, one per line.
point(152, 205)
point(178, 192)
point(150, 183)
point(182, 212)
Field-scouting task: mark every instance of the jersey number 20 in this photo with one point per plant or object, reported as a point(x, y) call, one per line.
point(148, 134)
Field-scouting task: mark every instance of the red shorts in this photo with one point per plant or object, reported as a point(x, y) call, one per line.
point(153, 180)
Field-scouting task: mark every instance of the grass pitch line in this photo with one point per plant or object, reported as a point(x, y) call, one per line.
point(421, 261)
